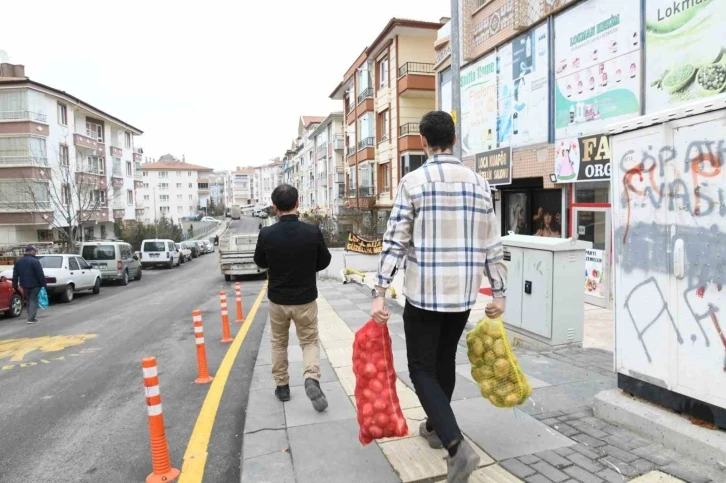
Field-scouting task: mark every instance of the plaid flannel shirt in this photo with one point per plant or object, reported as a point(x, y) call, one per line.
point(443, 223)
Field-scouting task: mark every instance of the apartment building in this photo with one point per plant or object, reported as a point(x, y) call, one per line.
point(267, 178)
point(329, 157)
point(303, 171)
point(385, 93)
point(173, 188)
point(218, 187)
point(67, 168)
point(243, 192)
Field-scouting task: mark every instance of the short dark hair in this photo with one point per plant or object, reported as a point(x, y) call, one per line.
point(438, 129)
point(284, 197)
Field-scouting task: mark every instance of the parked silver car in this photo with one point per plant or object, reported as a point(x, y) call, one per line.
point(115, 260)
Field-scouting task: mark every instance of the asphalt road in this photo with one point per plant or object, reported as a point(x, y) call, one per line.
point(77, 413)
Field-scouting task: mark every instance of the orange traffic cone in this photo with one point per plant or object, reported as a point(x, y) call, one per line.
point(203, 371)
point(160, 460)
point(225, 318)
point(238, 296)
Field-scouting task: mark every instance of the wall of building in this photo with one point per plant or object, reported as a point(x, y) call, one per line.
point(416, 48)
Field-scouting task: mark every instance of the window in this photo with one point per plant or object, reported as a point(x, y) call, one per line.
point(189, 173)
point(45, 235)
point(116, 167)
point(191, 197)
point(384, 177)
point(163, 197)
point(191, 209)
point(94, 131)
point(163, 174)
point(98, 197)
point(63, 157)
point(103, 237)
point(146, 185)
point(409, 162)
point(481, 3)
point(72, 262)
point(383, 72)
point(179, 197)
point(144, 173)
point(191, 185)
point(129, 169)
point(127, 139)
point(383, 126)
point(164, 210)
point(94, 165)
point(179, 209)
point(62, 114)
point(178, 185)
point(178, 174)
point(163, 186)
point(66, 194)
point(146, 197)
point(129, 197)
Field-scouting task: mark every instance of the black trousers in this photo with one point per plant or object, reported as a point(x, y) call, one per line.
point(431, 342)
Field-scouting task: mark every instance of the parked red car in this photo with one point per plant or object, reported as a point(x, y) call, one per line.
point(11, 301)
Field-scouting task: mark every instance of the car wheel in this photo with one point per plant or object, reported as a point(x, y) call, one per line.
point(171, 264)
point(125, 280)
point(16, 306)
point(138, 275)
point(228, 278)
point(97, 287)
point(68, 294)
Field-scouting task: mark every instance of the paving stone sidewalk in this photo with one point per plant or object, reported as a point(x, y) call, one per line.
point(554, 437)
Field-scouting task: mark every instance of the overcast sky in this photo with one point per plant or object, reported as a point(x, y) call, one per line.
point(222, 83)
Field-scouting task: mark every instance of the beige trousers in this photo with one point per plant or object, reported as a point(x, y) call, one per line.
point(306, 326)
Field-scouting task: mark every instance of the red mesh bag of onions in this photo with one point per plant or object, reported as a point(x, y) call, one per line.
point(379, 411)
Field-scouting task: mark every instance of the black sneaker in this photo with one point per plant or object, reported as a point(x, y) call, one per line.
point(32, 321)
point(316, 395)
point(283, 392)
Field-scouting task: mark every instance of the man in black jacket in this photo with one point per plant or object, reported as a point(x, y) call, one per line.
point(28, 273)
point(293, 252)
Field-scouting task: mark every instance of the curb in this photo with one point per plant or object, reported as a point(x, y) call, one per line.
point(662, 426)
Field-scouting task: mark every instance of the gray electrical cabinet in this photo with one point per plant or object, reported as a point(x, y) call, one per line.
point(545, 290)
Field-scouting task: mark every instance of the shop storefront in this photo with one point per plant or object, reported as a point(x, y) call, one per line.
point(527, 208)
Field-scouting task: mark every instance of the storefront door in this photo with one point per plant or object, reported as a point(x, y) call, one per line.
point(593, 225)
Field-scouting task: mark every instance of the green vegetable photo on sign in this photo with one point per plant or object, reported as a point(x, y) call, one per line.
point(685, 57)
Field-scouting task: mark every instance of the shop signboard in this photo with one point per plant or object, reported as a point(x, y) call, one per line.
point(495, 166)
point(523, 88)
point(685, 44)
point(594, 284)
point(479, 106)
point(582, 159)
point(597, 66)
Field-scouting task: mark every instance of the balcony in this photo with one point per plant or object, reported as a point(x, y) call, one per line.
point(91, 168)
point(351, 193)
point(366, 192)
point(116, 152)
point(366, 94)
point(22, 160)
point(409, 139)
point(416, 79)
point(138, 158)
point(409, 129)
point(87, 142)
point(338, 142)
point(23, 116)
point(366, 143)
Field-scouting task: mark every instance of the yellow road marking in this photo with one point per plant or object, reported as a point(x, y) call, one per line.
point(195, 458)
point(17, 349)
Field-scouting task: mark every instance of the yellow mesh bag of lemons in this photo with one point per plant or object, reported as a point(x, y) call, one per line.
point(494, 366)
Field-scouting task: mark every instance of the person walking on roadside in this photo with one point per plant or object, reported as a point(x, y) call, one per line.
point(293, 252)
point(28, 273)
point(443, 222)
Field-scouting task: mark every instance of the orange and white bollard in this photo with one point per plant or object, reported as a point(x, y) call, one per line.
point(160, 459)
point(202, 368)
point(238, 296)
point(226, 337)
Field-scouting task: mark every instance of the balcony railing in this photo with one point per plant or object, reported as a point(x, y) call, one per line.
point(415, 68)
point(117, 173)
point(383, 138)
point(351, 193)
point(338, 142)
point(23, 161)
point(22, 115)
point(322, 147)
point(366, 191)
point(351, 107)
point(409, 129)
point(350, 151)
point(89, 169)
point(366, 143)
point(365, 94)
point(35, 206)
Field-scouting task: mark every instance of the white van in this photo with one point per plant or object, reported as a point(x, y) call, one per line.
point(159, 253)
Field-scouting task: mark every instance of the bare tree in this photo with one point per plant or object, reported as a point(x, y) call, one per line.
point(66, 193)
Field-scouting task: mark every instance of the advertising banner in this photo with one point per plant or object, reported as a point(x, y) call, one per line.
point(361, 245)
point(495, 166)
point(523, 86)
point(685, 44)
point(594, 273)
point(582, 159)
point(479, 106)
point(597, 66)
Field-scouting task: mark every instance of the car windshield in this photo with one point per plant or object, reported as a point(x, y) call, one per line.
point(100, 252)
point(154, 246)
point(51, 262)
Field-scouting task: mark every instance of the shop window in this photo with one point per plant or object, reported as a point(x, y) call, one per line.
point(409, 162)
point(533, 212)
point(594, 192)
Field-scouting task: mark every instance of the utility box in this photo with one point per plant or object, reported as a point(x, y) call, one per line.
point(545, 299)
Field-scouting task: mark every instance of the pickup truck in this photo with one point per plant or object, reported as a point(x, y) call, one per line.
point(236, 255)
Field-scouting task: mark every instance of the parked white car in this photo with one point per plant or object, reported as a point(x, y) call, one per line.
point(209, 218)
point(67, 274)
point(159, 253)
point(185, 254)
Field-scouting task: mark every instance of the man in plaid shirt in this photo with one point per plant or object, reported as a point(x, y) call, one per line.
point(443, 222)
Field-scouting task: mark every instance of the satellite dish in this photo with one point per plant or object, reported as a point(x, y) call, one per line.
point(4, 57)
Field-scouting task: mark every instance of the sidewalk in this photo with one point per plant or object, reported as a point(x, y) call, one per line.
point(554, 437)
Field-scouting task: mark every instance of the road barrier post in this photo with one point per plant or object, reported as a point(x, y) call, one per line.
point(238, 296)
point(225, 318)
point(203, 370)
point(160, 459)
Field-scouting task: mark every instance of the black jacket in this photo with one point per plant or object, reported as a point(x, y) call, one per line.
point(292, 252)
point(29, 272)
